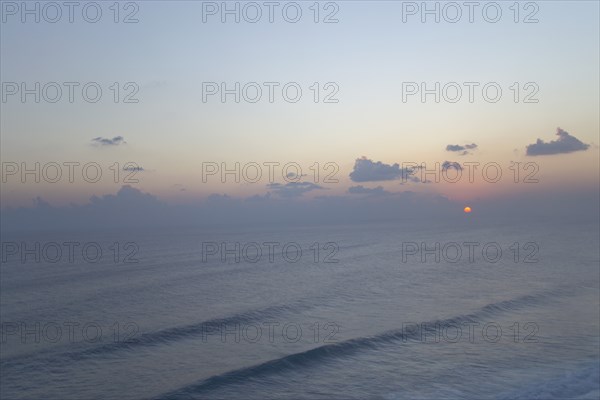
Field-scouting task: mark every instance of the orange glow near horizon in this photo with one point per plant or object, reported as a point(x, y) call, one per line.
point(467, 209)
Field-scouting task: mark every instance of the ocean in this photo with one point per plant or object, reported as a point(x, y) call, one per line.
point(469, 308)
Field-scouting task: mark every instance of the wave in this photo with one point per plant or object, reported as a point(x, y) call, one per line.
point(170, 334)
point(352, 346)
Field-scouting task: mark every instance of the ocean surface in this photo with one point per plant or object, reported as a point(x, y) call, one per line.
point(403, 310)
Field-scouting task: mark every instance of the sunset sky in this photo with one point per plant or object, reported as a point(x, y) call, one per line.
point(368, 54)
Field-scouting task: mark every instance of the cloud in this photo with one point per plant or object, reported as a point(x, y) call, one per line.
point(293, 175)
point(127, 195)
point(377, 191)
point(116, 141)
point(451, 164)
point(136, 168)
point(564, 144)
point(130, 208)
point(464, 150)
point(366, 170)
point(293, 189)
point(413, 178)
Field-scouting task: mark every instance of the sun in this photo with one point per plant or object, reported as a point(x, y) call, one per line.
point(467, 209)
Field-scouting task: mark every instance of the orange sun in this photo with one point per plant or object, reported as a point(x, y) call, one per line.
point(467, 209)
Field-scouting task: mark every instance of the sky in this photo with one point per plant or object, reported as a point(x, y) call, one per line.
point(369, 62)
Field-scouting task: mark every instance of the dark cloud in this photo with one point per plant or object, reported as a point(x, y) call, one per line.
point(564, 144)
point(136, 168)
point(412, 178)
point(116, 141)
point(463, 150)
point(127, 195)
point(293, 189)
point(377, 191)
point(294, 176)
point(451, 164)
point(366, 170)
point(130, 207)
